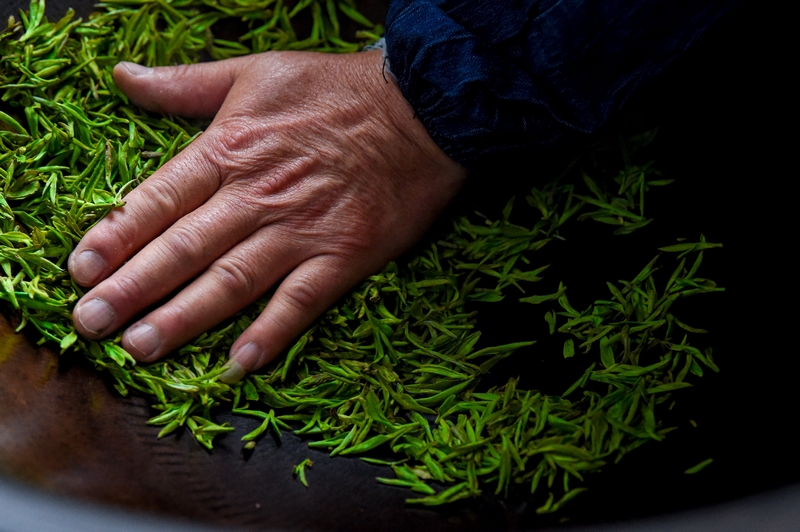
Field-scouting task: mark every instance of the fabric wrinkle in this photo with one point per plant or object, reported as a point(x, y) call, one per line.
point(490, 79)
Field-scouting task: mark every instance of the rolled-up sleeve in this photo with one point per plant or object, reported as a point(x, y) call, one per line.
point(495, 78)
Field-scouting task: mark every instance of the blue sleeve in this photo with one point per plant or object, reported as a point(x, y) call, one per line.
point(490, 78)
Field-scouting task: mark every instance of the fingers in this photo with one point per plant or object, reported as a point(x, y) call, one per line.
point(305, 294)
point(229, 284)
point(186, 90)
point(182, 252)
point(181, 186)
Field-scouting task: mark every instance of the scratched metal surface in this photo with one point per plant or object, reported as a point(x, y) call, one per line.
point(64, 431)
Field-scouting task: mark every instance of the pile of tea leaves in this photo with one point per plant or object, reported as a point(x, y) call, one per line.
point(396, 365)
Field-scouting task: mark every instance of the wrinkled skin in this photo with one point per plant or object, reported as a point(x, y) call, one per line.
point(313, 174)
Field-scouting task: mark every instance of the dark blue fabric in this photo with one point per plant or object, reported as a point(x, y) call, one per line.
point(492, 78)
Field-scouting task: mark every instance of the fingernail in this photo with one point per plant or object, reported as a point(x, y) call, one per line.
point(233, 372)
point(136, 70)
point(95, 316)
point(240, 363)
point(143, 338)
point(86, 267)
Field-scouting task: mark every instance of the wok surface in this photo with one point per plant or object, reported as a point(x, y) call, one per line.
point(65, 431)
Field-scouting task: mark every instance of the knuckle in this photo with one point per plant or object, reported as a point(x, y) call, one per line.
point(237, 277)
point(231, 139)
point(302, 295)
point(186, 242)
point(235, 150)
point(274, 181)
point(163, 197)
point(129, 289)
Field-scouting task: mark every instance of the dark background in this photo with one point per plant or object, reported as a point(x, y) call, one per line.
point(725, 121)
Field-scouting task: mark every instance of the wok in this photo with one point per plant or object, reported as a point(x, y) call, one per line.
point(74, 455)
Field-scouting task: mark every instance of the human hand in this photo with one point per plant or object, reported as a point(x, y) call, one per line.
point(314, 173)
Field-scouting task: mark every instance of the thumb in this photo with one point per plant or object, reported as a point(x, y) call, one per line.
point(196, 91)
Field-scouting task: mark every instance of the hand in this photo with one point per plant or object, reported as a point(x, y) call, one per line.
point(313, 174)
